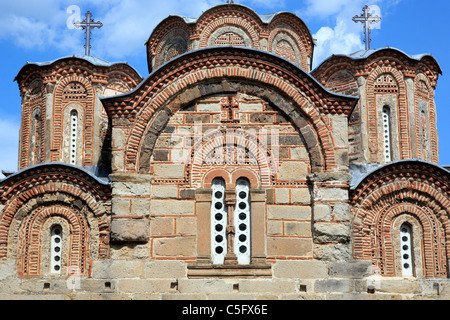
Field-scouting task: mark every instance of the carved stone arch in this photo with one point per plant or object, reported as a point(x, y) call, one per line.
point(288, 24)
point(48, 185)
point(34, 106)
point(373, 112)
point(303, 102)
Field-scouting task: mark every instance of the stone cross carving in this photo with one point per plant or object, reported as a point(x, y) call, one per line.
point(367, 19)
point(87, 24)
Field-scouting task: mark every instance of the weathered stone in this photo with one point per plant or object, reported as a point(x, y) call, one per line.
point(280, 246)
point(350, 269)
point(289, 212)
point(174, 247)
point(172, 207)
point(334, 285)
point(129, 230)
point(301, 269)
point(292, 170)
point(168, 171)
point(331, 232)
point(164, 269)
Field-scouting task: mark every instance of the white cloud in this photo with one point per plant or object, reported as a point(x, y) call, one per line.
point(345, 36)
point(128, 24)
point(9, 144)
point(37, 25)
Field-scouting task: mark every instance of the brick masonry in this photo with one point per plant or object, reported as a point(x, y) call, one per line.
point(140, 228)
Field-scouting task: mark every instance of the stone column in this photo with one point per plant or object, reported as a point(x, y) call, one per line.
point(230, 202)
point(331, 226)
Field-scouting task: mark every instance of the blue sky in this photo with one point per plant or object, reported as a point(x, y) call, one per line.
point(38, 31)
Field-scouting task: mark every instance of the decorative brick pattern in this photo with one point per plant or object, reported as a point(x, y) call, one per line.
point(33, 125)
point(50, 192)
point(416, 189)
point(153, 95)
point(64, 84)
point(234, 25)
point(385, 73)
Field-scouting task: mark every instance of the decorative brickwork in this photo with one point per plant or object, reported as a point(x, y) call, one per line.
point(408, 188)
point(425, 115)
point(35, 197)
point(67, 84)
point(236, 25)
point(150, 105)
point(33, 125)
point(385, 73)
point(230, 171)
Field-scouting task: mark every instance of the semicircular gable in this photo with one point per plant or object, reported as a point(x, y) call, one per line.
point(213, 70)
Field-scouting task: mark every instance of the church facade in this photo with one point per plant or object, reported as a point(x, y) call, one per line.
point(232, 171)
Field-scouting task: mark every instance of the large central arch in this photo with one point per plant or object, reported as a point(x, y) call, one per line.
point(229, 69)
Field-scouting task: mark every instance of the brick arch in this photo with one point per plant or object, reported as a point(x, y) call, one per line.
point(296, 40)
point(402, 112)
point(428, 96)
point(45, 185)
point(266, 164)
point(342, 81)
point(395, 190)
point(58, 117)
point(76, 252)
point(172, 37)
point(239, 23)
point(228, 15)
point(226, 70)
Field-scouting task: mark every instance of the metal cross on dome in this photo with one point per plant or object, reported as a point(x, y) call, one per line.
point(367, 19)
point(87, 24)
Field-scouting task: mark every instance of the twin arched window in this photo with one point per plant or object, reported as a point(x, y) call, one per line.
point(230, 222)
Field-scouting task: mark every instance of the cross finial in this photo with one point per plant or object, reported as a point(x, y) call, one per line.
point(87, 24)
point(367, 19)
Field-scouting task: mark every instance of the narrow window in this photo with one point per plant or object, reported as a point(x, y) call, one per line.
point(242, 222)
point(423, 120)
point(36, 139)
point(73, 136)
point(406, 250)
point(387, 133)
point(218, 222)
point(55, 249)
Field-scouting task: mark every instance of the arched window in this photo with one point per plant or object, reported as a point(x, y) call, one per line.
point(406, 250)
point(36, 138)
point(55, 249)
point(73, 136)
point(387, 134)
point(423, 133)
point(218, 221)
point(242, 221)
